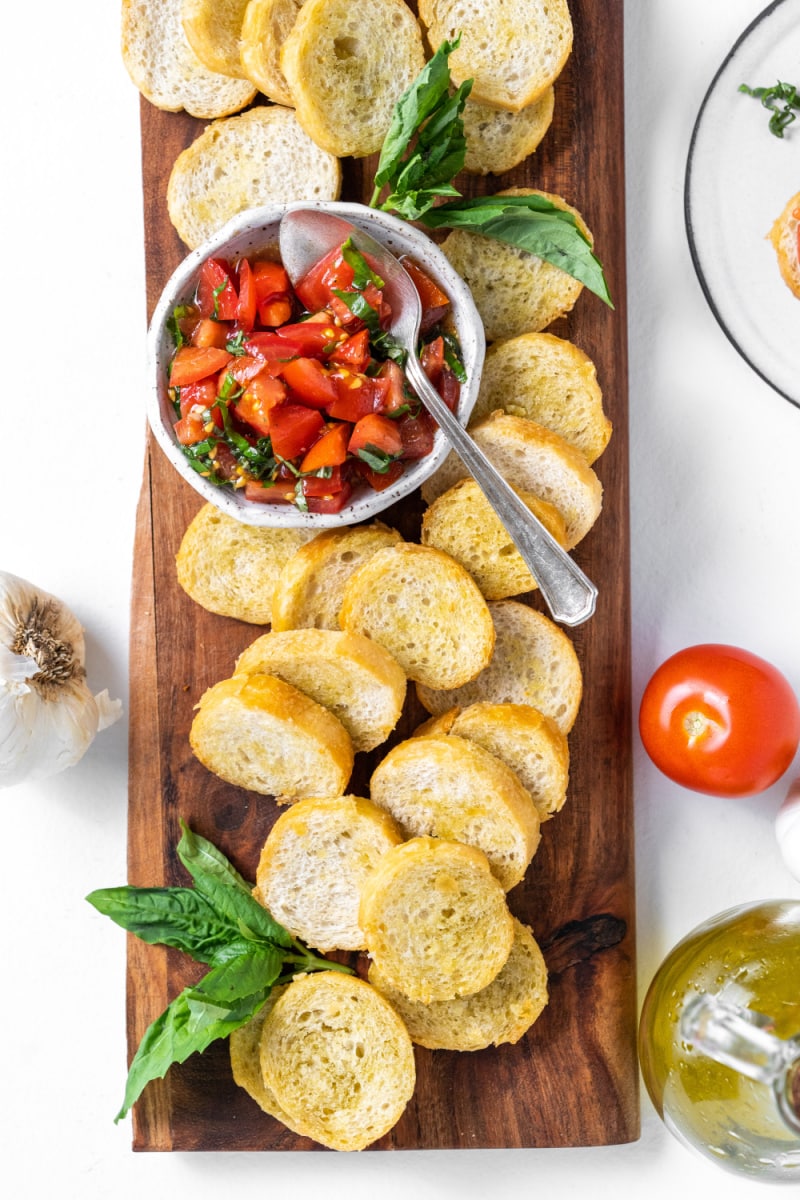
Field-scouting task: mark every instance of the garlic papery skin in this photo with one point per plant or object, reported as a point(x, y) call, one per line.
point(787, 829)
point(48, 715)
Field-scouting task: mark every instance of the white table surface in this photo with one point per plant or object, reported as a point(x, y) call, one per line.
point(715, 497)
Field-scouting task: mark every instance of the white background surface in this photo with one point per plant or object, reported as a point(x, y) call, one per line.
point(715, 498)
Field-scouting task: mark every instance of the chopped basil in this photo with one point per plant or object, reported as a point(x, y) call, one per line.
point(362, 272)
point(384, 345)
point(173, 324)
point(235, 344)
point(784, 94)
point(376, 458)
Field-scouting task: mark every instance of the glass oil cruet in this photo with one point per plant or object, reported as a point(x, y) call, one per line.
point(719, 1040)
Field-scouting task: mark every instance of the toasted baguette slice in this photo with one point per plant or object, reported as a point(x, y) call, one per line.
point(451, 788)
point(527, 741)
point(314, 864)
point(265, 28)
point(165, 68)
point(550, 381)
point(354, 678)
point(500, 1013)
point(260, 157)
point(425, 609)
point(532, 459)
point(262, 734)
point(464, 525)
point(230, 568)
point(338, 1059)
point(534, 662)
point(514, 291)
point(513, 49)
point(498, 140)
point(436, 920)
point(347, 66)
point(245, 1052)
point(214, 30)
point(310, 589)
point(784, 235)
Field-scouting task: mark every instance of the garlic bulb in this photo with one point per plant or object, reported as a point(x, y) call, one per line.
point(787, 829)
point(48, 716)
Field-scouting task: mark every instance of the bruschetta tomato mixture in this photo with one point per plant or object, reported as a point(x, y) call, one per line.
point(297, 395)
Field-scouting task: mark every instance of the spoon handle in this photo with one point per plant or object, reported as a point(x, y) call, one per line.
point(568, 593)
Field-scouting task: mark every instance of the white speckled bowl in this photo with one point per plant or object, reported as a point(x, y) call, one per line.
point(250, 233)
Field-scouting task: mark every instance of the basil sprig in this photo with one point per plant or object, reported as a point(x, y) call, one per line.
point(781, 100)
point(425, 149)
point(218, 922)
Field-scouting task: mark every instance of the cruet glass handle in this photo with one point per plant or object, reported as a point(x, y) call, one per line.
point(742, 1039)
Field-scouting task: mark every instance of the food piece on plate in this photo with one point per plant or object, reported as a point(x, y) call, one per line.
point(534, 662)
point(245, 1051)
point(165, 68)
point(314, 864)
point(260, 157)
point(498, 140)
point(463, 524)
point(500, 1013)
point(347, 66)
point(425, 609)
point(451, 788)
point(785, 237)
point(354, 678)
point(338, 1059)
point(527, 741)
point(214, 30)
point(436, 920)
point(310, 588)
point(513, 49)
point(532, 459)
point(266, 26)
point(232, 569)
point(549, 380)
point(260, 733)
point(514, 291)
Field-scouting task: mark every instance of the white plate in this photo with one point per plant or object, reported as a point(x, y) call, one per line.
point(738, 179)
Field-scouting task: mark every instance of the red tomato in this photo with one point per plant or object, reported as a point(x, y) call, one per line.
point(314, 336)
point(353, 353)
point(272, 345)
point(320, 488)
point(378, 480)
point(201, 395)
point(257, 401)
point(309, 382)
point(216, 295)
point(270, 280)
point(329, 451)
point(196, 362)
point(294, 429)
point(275, 312)
point(331, 273)
point(376, 432)
point(720, 720)
point(210, 333)
point(191, 429)
point(333, 502)
point(434, 301)
point(417, 434)
point(356, 396)
point(248, 298)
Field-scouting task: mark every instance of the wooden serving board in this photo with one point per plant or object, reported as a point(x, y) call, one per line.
point(573, 1079)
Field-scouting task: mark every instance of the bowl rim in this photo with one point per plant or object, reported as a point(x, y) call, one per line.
point(257, 221)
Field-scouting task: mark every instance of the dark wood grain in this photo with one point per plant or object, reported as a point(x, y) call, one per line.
point(572, 1080)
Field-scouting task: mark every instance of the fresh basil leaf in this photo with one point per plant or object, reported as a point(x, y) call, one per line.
point(173, 326)
point(177, 917)
point(452, 355)
point(414, 106)
point(300, 496)
point(243, 969)
point(382, 343)
point(540, 227)
point(362, 272)
point(187, 1026)
point(222, 885)
point(376, 458)
point(235, 344)
point(770, 97)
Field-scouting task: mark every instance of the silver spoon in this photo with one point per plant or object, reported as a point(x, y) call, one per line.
point(306, 235)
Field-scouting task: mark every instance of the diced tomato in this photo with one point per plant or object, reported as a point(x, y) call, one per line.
point(432, 360)
point(316, 336)
point(357, 396)
point(269, 493)
point(245, 367)
point(330, 274)
point(191, 428)
point(257, 401)
point(270, 280)
point(434, 301)
point(309, 382)
point(315, 485)
point(210, 333)
point(329, 451)
point(294, 429)
point(225, 463)
point(196, 362)
point(380, 433)
point(272, 345)
point(416, 433)
point(198, 395)
point(378, 480)
point(248, 299)
point(353, 353)
point(449, 388)
point(216, 295)
point(275, 312)
point(391, 373)
point(332, 502)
